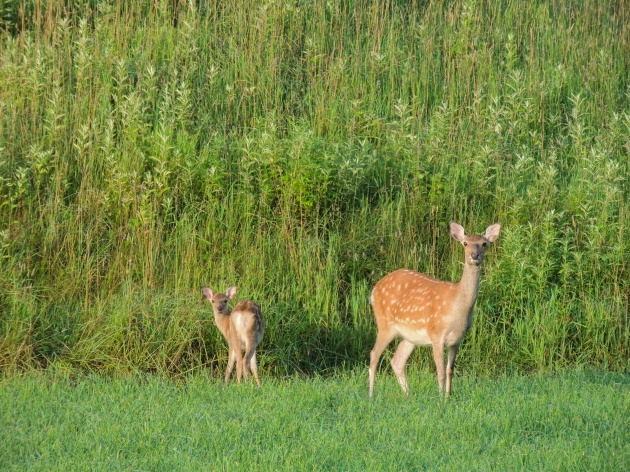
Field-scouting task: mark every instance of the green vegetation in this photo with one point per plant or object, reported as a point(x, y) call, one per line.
point(302, 150)
point(567, 421)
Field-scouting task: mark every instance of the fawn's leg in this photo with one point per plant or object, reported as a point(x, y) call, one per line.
point(230, 366)
point(250, 360)
point(239, 366)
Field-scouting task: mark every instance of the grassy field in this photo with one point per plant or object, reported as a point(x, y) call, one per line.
point(302, 150)
point(572, 420)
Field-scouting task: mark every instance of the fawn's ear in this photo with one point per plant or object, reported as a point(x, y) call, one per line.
point(207, 293)
point(457, 231)
point(492, 232)
point(230, 292)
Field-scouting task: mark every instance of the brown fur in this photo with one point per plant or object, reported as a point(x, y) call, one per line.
point(243, 328)
point(425, 311)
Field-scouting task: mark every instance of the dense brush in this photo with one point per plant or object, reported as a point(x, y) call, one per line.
point(303, 150)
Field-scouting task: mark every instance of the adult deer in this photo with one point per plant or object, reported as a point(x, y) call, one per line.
point(243, 329)
point(424, 311)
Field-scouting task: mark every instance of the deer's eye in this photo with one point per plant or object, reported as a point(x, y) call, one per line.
point(484, 244)
point(465, 243)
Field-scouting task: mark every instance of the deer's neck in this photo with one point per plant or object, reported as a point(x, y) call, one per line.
point(222, 321)
point(468, 288)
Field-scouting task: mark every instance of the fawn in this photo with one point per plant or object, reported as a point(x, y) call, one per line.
point(424, 311)
point(243, 329)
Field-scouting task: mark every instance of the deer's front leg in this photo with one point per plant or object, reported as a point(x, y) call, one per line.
point(230, 366)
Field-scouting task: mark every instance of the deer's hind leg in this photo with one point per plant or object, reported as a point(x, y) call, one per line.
point(383, 338)
point(399, 361)
point(250, 363)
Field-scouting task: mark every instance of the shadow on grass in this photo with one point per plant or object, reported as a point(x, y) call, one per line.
point(315, 349)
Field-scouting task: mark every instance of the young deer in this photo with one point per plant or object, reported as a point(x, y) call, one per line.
point(425, 311)
point(243, 328)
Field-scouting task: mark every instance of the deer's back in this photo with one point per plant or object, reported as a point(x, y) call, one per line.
point(247, 318)
point(411, 299)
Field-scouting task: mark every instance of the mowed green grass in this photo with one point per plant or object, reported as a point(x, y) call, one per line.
point(574, 420)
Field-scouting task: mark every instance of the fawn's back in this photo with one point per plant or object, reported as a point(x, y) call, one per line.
point(247, 322)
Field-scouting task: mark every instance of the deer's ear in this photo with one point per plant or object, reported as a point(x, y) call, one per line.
point(457, 231)
point(492, 232)
point(207, 292)
point(230, 292)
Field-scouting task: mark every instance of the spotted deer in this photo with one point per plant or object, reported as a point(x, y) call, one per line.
point(424, 311)
point(243, 329)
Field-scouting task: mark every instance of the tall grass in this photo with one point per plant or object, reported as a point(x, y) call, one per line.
point(302, 150)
